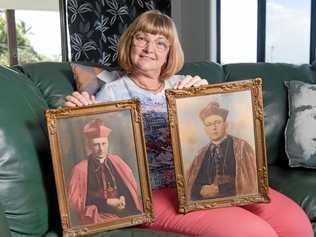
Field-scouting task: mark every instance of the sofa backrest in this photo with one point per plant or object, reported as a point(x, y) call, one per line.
point(212, 72)
point(54, 80)
point(274, 98)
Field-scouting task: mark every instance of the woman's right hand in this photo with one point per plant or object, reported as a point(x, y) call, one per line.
point(77, 99)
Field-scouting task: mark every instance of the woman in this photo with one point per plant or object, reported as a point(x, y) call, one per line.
point(150, 57)
point(150, 54)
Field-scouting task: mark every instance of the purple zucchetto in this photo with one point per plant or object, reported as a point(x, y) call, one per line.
point(211, 109)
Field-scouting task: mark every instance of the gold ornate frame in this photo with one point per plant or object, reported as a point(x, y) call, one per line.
point(53, 117)
point(255, 88)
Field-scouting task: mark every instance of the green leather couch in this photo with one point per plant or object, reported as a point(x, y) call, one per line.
point(28, 201)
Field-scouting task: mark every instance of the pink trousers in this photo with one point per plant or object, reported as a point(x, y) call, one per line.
point(282, 217)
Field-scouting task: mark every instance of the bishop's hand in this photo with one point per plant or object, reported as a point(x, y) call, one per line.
point(209, 191)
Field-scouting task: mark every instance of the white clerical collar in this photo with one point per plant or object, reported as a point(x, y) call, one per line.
point(102, 160)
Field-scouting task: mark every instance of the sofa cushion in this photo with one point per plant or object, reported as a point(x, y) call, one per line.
point(300, 132)
point(274, 98)
point(55, 80)
point(24, 151)
point(298, 184)
point(86, 78)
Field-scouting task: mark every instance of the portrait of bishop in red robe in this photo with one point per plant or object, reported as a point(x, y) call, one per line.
point(101, 187)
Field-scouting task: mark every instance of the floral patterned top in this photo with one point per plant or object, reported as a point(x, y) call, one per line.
point(156, 128)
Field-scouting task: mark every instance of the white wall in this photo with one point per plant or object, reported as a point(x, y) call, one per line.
point(196, 24)
point(49, 5)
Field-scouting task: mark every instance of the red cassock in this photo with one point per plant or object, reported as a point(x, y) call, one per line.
point(77, 191)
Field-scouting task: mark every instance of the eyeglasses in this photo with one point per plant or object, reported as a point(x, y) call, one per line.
point(140, 40)
point(215, 123)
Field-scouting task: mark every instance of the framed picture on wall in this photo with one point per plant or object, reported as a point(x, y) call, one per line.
point(100, 167)
point(218, 144)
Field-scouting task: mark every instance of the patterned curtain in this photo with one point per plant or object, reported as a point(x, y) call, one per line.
point(95, 26)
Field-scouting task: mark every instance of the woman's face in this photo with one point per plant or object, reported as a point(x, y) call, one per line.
point(149, 52)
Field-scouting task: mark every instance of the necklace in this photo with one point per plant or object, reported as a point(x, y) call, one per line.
point(155, 90)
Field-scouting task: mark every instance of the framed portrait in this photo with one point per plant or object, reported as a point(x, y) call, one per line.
point(100, 167)
point(218, 143)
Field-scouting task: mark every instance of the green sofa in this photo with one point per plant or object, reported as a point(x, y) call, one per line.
point(28, 200)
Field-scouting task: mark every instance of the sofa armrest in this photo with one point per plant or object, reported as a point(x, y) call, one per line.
point(4, 227)
point(298, 184)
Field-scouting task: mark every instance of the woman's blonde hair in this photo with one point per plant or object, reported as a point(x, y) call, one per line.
point(153, 22)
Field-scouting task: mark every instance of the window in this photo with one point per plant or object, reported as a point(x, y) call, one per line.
point(28, 36)
point(42, 30)
point(4, 54)
point(281, 31)
point(288, 24)
point(238, 31)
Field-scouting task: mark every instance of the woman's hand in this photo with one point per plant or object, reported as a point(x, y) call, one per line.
point(189, 81)
point(77, 99)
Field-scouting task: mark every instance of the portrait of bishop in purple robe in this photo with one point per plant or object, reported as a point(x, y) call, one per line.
point(226, 166)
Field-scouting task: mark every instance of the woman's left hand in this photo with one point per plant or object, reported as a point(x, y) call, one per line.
point(188, 81)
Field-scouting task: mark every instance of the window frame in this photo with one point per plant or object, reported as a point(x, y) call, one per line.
point(11, 37)
point(261, 30)
point(63, 30)
point(312, 56)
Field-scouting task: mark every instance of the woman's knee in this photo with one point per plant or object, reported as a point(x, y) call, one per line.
point(219, 222)
point(286, 217)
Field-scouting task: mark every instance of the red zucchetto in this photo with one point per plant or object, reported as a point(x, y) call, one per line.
point(95, 129)
point(211, 109)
